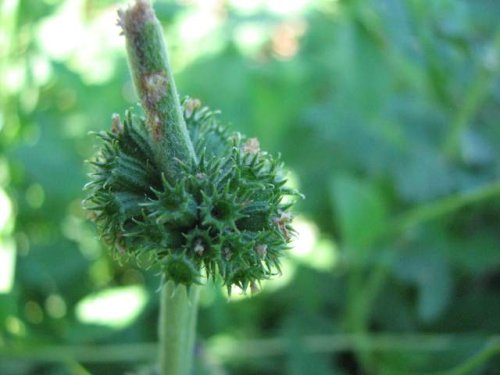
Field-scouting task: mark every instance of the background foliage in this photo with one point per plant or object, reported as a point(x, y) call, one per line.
point(386, 113)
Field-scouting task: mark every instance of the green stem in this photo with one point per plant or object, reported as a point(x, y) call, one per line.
point(474, 97)
point(155, 86)
point(442, 207)
point(177, 328)
point(491, 349)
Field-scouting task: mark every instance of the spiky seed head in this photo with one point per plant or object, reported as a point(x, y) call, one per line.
point(223, 218)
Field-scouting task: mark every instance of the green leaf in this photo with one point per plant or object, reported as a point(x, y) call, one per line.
point(359, 211)
point(427, 268)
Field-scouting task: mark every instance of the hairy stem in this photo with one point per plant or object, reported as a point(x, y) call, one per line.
point(155, 86)
point(177, 328)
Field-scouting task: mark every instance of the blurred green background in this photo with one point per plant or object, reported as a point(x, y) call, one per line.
point(387, 113)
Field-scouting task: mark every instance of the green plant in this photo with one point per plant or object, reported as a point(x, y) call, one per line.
point(176, 187)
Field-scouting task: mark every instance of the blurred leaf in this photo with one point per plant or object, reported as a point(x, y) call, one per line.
point(426, 268)
point(360, 211)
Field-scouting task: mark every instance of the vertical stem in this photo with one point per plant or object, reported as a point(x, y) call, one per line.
point(177, 328)
point(155, 86)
